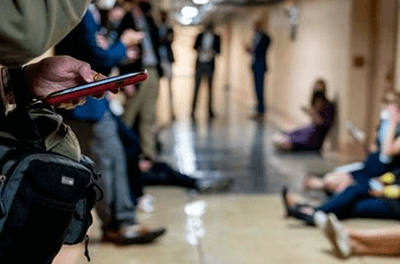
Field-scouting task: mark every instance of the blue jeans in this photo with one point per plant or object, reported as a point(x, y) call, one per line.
point(356, 202)
point(116, 209)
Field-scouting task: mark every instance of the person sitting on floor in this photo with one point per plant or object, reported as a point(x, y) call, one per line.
point(378, 241)
point(310, 137)
point(384, 152)
point(160, 173)
point(360, 199)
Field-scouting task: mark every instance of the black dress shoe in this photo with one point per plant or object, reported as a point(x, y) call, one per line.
point(285, 201)
point(132, 235)
point(211, 114)
point(296, 211)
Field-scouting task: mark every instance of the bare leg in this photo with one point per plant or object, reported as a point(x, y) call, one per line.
point(337, 182)
point(314, 183)
point(378, 241)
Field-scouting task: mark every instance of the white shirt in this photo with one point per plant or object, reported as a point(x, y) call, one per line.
point(206, 52)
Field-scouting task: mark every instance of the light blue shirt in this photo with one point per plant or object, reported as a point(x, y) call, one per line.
point(382, 132)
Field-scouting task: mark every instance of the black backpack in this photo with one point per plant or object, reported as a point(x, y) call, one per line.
point(45, 197)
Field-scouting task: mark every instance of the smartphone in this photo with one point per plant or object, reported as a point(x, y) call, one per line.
point(375, 185)
point(93, 88)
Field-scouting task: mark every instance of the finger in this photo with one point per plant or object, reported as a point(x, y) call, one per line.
point(116, 91)
point(97, 76)
point(99, 96)
point(85, 72)
point(67, 106)
point(76, 101)
point(82, 101)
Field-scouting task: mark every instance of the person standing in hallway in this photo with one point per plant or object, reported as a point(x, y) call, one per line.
point(258, 51)
point(166, 35)
point(141, 106)
point(97, 129)
point(207, 45)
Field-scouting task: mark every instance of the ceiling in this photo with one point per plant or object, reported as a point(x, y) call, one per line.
point(215, 10)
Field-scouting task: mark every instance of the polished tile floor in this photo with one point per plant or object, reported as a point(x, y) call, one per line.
point(245, 225)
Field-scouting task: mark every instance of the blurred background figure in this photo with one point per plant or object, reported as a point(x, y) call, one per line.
point(166, 54)
point(97, 131)
point(140, 108)
point(311, 137)
point(258, 51)
point(207, 45)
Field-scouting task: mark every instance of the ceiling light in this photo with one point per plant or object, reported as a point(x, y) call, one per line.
point(189, 11)
point(200, 2)
point(186, 21)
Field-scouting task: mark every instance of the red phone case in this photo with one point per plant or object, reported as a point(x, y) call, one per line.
point(64, 96)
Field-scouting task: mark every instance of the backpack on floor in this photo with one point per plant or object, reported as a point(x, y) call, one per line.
point(45, 197)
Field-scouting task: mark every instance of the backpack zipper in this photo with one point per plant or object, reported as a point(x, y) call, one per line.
point(2, 183)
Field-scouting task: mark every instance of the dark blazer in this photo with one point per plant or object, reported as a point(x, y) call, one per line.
point(216, 45)
point(168, 44)
point(129, 23)
point(260, 53)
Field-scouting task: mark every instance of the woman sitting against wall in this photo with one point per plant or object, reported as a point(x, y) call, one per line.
point(310, 137)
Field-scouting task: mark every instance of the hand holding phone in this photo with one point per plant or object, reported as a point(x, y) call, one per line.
point(94, 88)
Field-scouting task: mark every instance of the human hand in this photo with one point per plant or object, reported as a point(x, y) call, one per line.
point(129, 90)
point(132, 53)
point(145, 165)
point(376, 187)
point(131, 37)
point(101, 41)
point(57, 73)
point(377, 193)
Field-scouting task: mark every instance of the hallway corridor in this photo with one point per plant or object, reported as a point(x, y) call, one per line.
point(245, 225)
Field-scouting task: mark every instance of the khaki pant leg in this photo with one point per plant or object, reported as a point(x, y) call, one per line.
point(148, 116)
point(144, 104)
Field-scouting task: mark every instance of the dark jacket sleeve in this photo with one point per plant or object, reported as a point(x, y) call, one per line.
point(197, 43)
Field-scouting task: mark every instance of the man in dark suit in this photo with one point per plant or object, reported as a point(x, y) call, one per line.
point(207, 45)
point(258, 50)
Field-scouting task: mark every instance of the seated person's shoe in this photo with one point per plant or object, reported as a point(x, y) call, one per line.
point(338, 236)
point(257, 117)
point(214, 184)
point(211, 114)
point(297, 212)
point(134, 234)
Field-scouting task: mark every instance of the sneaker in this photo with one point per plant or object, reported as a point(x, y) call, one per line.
point(337, 235)
point(214, 184)
point(133, 234)
point(146, 204)
point(320, 219)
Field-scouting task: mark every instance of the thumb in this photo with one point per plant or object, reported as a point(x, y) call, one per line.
point(85, 72)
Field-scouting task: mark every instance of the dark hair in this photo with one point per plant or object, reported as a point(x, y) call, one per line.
point(318, 95)
point(321, 82)
point(322, 91)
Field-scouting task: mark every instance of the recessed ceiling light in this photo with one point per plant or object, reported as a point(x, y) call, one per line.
point(200, 2)
point(189, 11)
